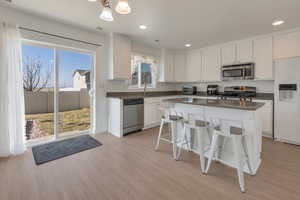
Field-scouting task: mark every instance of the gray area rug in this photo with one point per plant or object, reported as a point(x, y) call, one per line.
point(55, 150)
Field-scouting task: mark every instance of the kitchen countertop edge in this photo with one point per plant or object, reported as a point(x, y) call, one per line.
point(131, 95)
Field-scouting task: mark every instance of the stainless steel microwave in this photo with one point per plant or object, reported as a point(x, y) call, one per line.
point(243, 71)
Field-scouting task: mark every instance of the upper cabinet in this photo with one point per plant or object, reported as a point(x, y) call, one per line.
point(167, 68)
point(244, 51)
point(211, 67)
point(287, 44)
point(180, 67)
point(204, 65)
point(193, 66)
point(237, 52)
point(263, 58)
point(228, 54)
point(119, 57)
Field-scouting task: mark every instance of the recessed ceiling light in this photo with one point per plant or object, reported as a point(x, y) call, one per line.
point(92, 0)
point(143, 27)
point(187, 45)
point(277, 23)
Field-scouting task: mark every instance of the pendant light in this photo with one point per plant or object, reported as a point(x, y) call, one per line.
point(123, 7)
point(106, 14)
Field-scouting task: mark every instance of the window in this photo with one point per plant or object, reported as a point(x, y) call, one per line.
point(143, 70)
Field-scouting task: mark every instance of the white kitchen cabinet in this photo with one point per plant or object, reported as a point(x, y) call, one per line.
point(237, 52)
point(180, 66)
point(115, 117)
point(287, 44)
point(228, 54)
point(193, 66)
point(152, 114)
point(167, 70)
point(211, 68)
point(244, 50)
point(266, 113)
point(263, 57)
point(119, 57)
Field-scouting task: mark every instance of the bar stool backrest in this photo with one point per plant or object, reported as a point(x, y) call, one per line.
point(168, 110)
point(196, 120)
point(228, 127)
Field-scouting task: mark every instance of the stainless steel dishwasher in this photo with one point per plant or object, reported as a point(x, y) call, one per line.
point(133, 115)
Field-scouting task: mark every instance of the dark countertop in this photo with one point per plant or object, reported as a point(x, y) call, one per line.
point(231, 104)
point(131, 95)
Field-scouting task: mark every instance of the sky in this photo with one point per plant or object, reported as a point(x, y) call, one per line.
point(68, 62)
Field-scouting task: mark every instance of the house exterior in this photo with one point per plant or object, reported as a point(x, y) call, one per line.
point(81, 79)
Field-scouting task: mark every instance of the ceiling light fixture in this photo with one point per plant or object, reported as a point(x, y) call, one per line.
point(106, 14)
point(277, 23)
point(123, 7)
point(143, 27)
point(188, 45)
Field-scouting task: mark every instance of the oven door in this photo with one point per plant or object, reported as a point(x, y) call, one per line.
point(233, 73)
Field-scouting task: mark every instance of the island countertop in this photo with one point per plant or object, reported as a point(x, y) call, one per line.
point(231, 104)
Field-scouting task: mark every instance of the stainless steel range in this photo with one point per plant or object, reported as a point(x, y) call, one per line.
point(241, 92)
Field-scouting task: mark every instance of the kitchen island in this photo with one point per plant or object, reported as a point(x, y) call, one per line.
point(246, 111)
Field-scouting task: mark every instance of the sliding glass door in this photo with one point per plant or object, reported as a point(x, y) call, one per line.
point(38, 84)
point(57, 87)
point(74, 78)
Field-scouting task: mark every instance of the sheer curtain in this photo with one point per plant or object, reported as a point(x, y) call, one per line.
point(12, 118)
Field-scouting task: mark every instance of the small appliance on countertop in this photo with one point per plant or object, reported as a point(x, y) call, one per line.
point(242, 92)
point(189, 90)
point(212, 90)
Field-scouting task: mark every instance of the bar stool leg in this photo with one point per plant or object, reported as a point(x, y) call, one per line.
point(201, 151)
point(182, 143)
point(237, 145)
point(174, 139)
point(245, 147)
point(159, 135)
point(211, 151)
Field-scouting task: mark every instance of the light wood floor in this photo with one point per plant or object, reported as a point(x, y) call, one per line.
point(130, 169)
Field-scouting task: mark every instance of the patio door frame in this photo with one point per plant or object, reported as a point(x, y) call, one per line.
point(56, 48)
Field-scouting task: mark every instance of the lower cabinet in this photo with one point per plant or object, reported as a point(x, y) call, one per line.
point(152, 113)
point(267, 117)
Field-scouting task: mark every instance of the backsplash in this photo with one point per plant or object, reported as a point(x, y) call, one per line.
point(261, 86)
point(123, 86)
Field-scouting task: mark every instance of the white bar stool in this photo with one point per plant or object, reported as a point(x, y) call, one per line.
point(200, 125)
point(172, 118)
point(234, 130)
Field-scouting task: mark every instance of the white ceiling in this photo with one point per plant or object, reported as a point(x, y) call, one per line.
point(177, 22)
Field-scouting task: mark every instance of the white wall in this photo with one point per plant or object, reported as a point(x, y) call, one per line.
point(43, 24)
point(261, 86)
